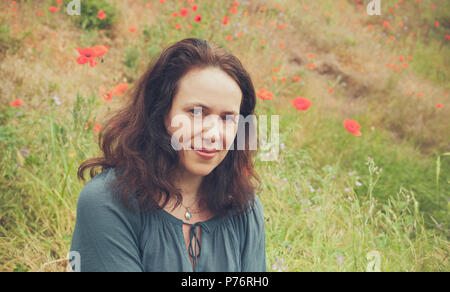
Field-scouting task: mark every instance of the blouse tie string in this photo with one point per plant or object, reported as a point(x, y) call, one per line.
point(192, 250)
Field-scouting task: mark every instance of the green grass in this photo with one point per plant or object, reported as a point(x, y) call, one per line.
point(327, 205)
point(431, 64)
point(315, 224)
point(403, 166)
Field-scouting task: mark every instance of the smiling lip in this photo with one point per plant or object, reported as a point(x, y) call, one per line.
point(206, 153)
point(213, 150)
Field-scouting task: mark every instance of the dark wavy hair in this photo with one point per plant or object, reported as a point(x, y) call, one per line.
point(135, 142)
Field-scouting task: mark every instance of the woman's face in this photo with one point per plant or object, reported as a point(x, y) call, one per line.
point(198, 118)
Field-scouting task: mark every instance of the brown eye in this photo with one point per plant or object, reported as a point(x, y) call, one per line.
point(230, 118)
point(195, 111)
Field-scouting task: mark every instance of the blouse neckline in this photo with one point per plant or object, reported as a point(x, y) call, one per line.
point(209, 224)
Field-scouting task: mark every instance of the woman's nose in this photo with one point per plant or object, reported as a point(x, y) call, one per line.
point(212, 130)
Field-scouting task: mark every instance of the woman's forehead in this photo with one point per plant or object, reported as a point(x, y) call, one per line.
point(209, 87)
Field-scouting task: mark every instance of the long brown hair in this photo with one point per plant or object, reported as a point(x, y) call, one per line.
point(136, 144)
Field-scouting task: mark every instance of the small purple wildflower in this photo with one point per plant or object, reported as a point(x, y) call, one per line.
point(24, 151)
point(340, 259)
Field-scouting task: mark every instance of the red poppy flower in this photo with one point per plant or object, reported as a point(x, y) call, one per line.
point(225, 20)
point(352, 126)
point(17, 102)
point(100, 50)
point(194, 8)
point(311, 66)
point(184, 12)
point(300, 103)
point(88, 55)
point(53, 9)
point(265, 95)
point(106, 96)
point(439, 105)
point(97, 127)
point(198, 18)
point(297, 79)
point(119, 89)
point(101, 14)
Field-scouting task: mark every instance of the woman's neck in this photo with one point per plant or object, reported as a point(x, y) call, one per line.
point(189, 184)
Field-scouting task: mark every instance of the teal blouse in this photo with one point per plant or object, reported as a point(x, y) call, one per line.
point(109, 237)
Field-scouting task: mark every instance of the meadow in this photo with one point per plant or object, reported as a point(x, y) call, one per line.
point(362, 179)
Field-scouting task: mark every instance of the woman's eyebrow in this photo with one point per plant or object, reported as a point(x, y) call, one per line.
point(207, 108)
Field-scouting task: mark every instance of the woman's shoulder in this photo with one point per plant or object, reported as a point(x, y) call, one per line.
point(256, 209)
point(98, 189)
point(100, 192)
point(253, 214)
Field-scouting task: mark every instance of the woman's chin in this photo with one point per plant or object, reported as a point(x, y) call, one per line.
point(200, 170)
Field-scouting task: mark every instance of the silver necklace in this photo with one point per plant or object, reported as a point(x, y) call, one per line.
point(188, 213)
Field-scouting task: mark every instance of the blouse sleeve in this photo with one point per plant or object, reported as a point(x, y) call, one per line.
point(254, 248)
point(105, 237)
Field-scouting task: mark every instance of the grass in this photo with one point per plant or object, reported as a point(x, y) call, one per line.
point(322, 226)
point(328, 205)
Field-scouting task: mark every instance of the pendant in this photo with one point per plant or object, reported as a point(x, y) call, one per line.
point(188, 214)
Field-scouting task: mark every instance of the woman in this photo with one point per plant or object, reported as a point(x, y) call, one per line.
point(171, 197)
